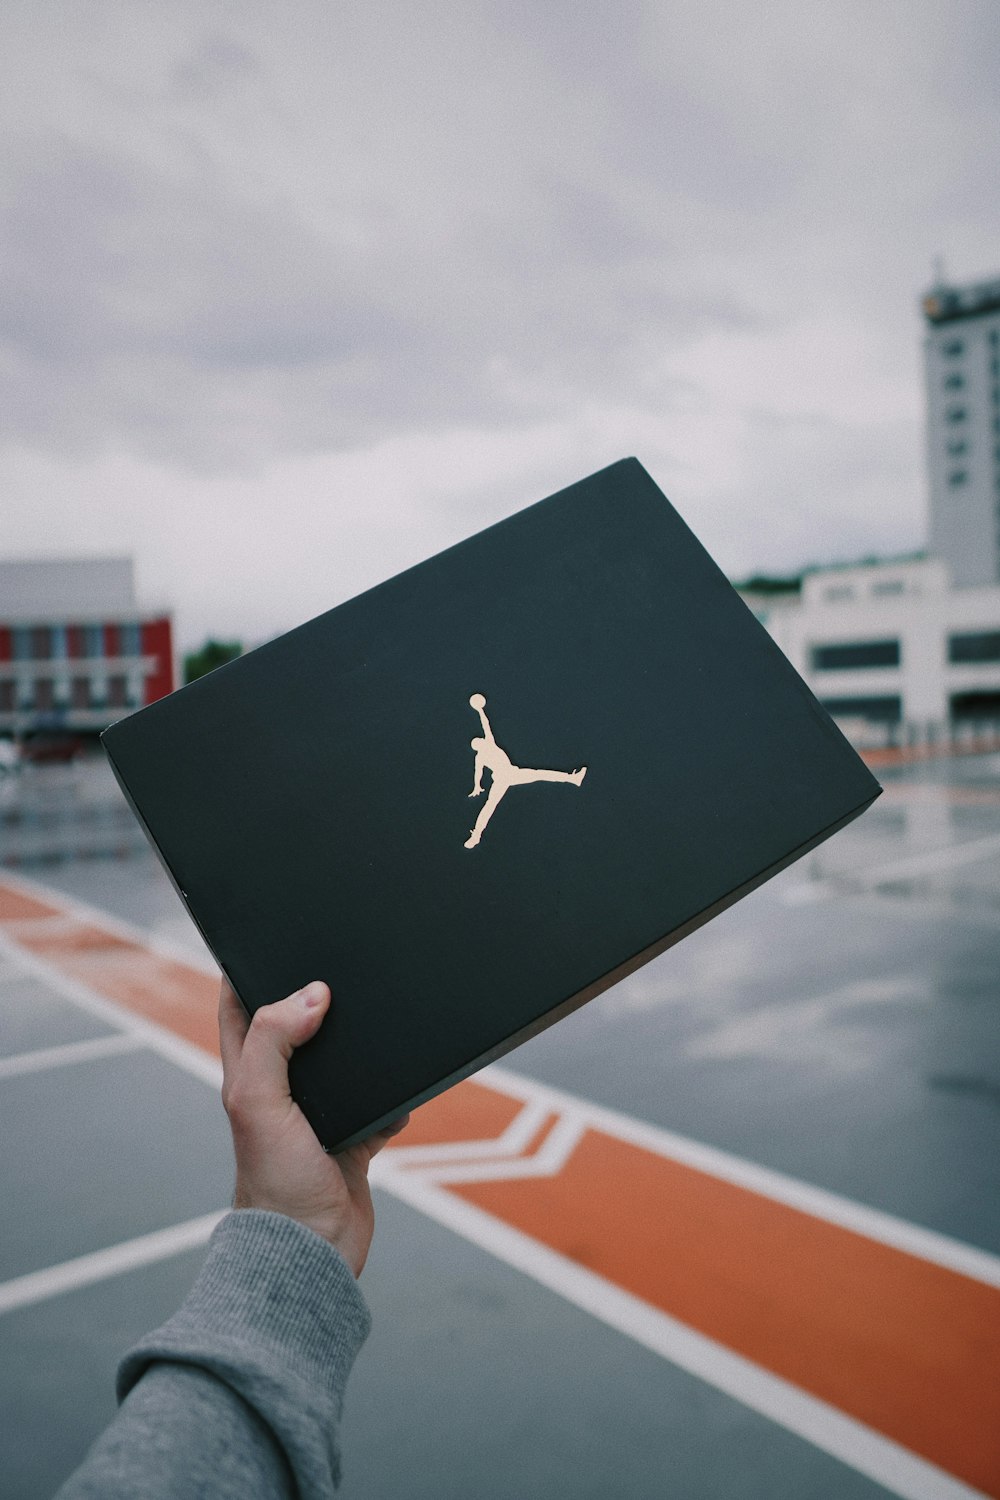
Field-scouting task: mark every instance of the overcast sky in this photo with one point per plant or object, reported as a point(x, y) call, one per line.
point(292, 296)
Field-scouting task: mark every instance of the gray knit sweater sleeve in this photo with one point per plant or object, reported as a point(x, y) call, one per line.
point(240, 1392)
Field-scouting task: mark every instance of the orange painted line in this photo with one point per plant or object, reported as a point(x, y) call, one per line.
point(467, 1112)
point(171, 993)
point(14, 905)
point(907, 754)
point(184, 999)
point(909, 1348)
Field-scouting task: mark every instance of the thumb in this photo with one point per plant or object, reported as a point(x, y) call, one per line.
point(274, 1033)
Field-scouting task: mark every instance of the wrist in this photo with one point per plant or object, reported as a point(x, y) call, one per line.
point(274, 1292)
point(349, 1240)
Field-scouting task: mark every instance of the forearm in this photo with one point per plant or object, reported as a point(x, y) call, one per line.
point(240, 1392)
point(183, 1432)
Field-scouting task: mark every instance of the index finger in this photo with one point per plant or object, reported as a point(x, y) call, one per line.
point(233, 1026)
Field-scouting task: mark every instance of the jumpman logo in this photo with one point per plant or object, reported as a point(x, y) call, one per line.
point(504, 774)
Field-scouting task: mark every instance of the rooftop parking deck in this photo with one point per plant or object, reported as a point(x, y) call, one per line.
point(732, 1229)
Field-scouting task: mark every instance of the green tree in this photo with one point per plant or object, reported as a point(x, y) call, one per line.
point(213, 654)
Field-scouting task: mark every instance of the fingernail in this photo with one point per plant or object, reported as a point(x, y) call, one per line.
point(312, 994)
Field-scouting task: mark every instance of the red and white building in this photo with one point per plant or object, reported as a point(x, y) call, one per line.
point(77, 652)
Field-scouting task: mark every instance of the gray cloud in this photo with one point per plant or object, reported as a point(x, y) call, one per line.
point(213, 64)
point(173, 315)
point(230, 244)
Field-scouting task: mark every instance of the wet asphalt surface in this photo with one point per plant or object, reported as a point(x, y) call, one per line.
point(839, 1025)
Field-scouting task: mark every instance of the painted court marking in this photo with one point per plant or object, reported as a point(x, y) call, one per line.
point(44, 1058)
point(951, 857)
point(927, 862)
point(901, 1472)
point(874, 1339)
point(84, 1270)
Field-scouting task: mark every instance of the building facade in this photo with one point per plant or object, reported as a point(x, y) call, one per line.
point(912, 645)
point(892, 644)
point(962, 370)
point(76, 650)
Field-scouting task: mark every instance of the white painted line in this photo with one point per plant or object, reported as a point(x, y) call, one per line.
point(892, 904)
point(116, 926)
point(70, 1052)
point(555, 1152)
point(511, 1142)
point(947, 858)
point(157, 1038)
point(894, 1467)
point(887, 1463)
point(956, 913)
point(927, 1244)
point(868, 881)
point(84, 1270)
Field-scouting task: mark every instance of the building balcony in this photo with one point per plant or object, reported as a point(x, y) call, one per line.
point(77, 666)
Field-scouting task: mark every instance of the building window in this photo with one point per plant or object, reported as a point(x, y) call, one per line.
point(80, 697)
point(41, 643)
point(984, 705)
point(957, 447)
point(20, 642)
point(886, 710)
point(131, 642)
point(45, 698)
point(981, 645)
point(955, 414)
point(954, 382)
point(93, 640)
point(117, 695)
point(850, 654)
point(838, 593)
point(953, 348)
point(6, 696)
point(958, 476)
point(887, 586)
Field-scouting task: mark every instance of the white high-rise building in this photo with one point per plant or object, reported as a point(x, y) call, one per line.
point(962, 355)
point(911, 647)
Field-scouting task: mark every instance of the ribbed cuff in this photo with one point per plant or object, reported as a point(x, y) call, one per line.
point(276, 1314)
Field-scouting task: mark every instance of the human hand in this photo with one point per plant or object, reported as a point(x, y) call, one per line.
point(280, 1165)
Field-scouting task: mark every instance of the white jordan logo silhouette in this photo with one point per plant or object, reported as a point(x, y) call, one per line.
point(503, 772)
